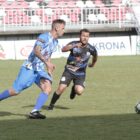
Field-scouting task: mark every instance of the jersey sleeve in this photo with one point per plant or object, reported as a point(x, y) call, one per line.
point(40, 41)
point(72, 43)
point(56, 46)
point(93, 51)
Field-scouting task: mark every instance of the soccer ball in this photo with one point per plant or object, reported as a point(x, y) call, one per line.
point(137, 108)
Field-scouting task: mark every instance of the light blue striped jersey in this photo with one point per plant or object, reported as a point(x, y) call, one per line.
point(48, 45)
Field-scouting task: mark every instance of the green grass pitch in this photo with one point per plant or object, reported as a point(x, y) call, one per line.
point(105, 111)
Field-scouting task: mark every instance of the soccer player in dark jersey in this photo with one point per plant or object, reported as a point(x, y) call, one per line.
point(75, 69)
point(34, 68)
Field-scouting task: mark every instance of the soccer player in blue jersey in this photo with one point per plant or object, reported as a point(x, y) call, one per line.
point(75, 69)
point(34, 68)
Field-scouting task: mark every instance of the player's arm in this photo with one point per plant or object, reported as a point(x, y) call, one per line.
point(37, 52)
point(70, 46)
point(49, 65)
point(38, 47)
point(94, 59)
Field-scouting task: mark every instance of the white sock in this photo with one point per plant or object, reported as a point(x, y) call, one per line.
point(34, 110)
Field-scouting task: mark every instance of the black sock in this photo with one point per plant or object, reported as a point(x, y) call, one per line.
point(73, 88)
point(54, 99)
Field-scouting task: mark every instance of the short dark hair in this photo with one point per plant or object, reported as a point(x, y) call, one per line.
point(84, 30)
point(58, 21)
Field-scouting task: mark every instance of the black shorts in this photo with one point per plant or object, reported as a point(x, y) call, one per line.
point(67, 77)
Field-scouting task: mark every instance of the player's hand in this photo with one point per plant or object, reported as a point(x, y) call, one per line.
point(50, 67)
point(79, 45)
point(90, 65)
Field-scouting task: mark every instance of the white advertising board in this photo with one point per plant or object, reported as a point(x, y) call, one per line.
point(7, 50)
point(23, 48)
point(106, 46)
point(135, 43)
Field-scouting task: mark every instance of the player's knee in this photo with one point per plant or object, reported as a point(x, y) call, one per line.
point(47, 90)
point(59, 92)
point(79, 91)
point(61, 89)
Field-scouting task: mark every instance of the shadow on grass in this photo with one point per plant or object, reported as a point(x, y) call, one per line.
point(104, 127)
point(45, 107)
point(3, 113)
point(59, 107)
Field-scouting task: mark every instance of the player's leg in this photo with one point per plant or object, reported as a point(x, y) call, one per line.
point(19, 84)
point(7, 93)
point(44, 81)
point(56, 95)
point(63, 84)
point(72, 93)
point(78, 87)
